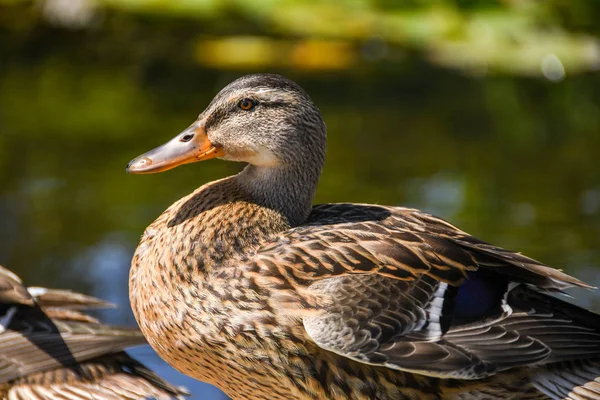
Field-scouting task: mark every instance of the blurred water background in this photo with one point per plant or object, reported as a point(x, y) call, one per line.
point(485, 113)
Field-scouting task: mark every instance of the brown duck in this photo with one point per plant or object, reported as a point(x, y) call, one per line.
point(50, 350)
point(246, 285)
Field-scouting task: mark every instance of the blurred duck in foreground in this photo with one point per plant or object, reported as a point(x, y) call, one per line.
point(50, 350)
point(246, 285)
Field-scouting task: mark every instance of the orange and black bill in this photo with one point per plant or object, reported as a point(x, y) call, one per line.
point(189, 146)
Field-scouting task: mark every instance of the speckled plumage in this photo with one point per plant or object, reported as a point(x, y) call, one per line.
point(50, 350)
point(244, 285)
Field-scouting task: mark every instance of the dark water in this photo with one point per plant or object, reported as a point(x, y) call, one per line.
point(513, 161)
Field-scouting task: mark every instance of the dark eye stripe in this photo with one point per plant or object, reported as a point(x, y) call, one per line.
point(221, 113)
point(274, 103)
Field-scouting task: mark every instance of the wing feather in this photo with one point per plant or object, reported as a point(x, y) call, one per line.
point(51, 350)
point(383, 286)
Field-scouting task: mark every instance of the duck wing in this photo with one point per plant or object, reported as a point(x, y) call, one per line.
point(12, 289)
point(40, 329)
point(49, 349)
point(32, 341)
point(112, 377)
point(402, 289)
point(447, 242)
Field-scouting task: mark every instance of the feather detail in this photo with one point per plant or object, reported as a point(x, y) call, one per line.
point(570, 380)
point(50, 350)
point(392, 278)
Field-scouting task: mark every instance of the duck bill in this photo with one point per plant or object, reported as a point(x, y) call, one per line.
point(189, 146)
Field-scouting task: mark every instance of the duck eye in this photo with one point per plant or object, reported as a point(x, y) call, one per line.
point(247, 104)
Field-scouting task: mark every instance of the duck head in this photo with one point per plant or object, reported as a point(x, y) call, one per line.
point(264, 120)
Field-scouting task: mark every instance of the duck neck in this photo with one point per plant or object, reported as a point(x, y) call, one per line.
point(289, 191)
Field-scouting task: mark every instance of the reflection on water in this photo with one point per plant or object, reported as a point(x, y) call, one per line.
point(513, 161)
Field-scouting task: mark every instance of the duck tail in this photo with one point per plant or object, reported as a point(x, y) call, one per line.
point(570, 380)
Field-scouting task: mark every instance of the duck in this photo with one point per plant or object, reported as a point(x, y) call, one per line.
point(50, 349)
point(245, 284)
